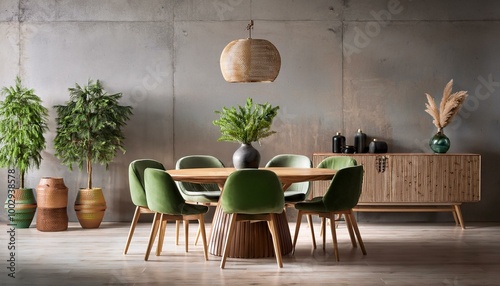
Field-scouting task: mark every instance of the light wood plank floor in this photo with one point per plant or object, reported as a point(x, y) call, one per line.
point(398, 254)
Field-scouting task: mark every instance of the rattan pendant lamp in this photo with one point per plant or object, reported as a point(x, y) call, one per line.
point(250, 60)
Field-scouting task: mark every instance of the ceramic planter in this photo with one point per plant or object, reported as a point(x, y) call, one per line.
point(90, 206)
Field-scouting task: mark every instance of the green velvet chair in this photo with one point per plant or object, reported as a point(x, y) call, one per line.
point(138, 194)
point(342, 195)
point(205, 194)
point(164, 199)
point(297, 192)
point(334, 163)
point(337, 162)
point(253, 195)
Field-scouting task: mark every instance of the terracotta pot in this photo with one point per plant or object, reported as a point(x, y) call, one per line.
point(21, 207)
point(52, 196)
point(89, 207)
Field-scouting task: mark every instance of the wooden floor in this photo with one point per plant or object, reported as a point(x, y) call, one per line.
point(398, 254)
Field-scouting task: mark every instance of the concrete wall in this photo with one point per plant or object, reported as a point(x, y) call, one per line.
point(345, 65)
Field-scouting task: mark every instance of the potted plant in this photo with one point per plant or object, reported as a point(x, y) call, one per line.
point(246, 124)
point(442, 115)
point(89, 131)
point(23, 120)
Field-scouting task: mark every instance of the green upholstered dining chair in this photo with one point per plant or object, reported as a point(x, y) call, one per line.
point(138, 194)
point(164, 199)
point(253, 195)
point(206, 194)
point(337, 162)
point(199, 193)
point(342, 195)
point(334, 163)
point(297, 192)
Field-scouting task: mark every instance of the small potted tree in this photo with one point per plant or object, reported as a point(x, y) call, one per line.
point(23, 120)
point(89, 131)
point(246, 124)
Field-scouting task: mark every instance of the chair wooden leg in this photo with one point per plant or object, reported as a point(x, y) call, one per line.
point(358, 234)
point(229, 239)
point(197, 235)
point(309, 220)
point(348, 223)
point(275, 235)
point(186, 234)
point(297, 227)
point(323, 228)
point(161, 236)
point(152, 235)
point(137, 214)
point(334, 236)
point(177, 230)
point(201, 229)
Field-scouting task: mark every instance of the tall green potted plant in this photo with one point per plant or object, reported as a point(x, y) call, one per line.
point(246, 124)
point(89, 131)
point(23, 120)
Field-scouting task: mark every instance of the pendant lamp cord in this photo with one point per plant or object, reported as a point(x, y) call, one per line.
point(249, 28)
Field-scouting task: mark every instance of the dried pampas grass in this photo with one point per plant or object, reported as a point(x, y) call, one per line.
point(449, 107)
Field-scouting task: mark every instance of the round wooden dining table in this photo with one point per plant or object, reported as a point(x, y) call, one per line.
point(252, 239)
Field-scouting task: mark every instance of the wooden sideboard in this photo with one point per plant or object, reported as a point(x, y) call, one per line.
point(414, 182)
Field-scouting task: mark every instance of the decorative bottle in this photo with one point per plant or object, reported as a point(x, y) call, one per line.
point(360, 142)
point(338, 142)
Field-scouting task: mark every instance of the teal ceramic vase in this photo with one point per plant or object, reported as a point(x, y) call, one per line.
point(439, 143)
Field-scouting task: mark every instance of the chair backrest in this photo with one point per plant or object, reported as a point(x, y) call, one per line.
point(337, 162)
point(136, 179)
point(293, 160)
point(252, 191)
point(345, 189)
point(162, 193)
point(198, 161)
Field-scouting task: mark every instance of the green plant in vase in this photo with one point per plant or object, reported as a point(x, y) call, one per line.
point(89, 131)
point(244, 125)
point(23, 121)
point(442, 116)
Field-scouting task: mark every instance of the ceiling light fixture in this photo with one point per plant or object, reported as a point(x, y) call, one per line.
point(250, 60)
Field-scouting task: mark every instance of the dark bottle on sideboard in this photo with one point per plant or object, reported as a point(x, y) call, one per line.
point(338, 142)
point(360, 142)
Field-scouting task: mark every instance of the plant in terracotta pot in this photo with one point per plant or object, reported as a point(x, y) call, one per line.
point(244, 125)
point(89, 131)
point(23, 120)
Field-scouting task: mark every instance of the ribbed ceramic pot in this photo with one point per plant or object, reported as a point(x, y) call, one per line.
point(246, 156)
point(439, 143)
point(52, 197)
point(89, 207)
point(21, 207)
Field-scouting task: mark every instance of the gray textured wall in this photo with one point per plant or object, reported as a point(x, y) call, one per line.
point(345, 65)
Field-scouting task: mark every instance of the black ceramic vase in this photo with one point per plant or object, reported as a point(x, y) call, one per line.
point(439, 143)
point(246, 157)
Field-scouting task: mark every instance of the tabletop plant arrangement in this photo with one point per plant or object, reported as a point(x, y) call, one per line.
point(23, 120)
point(442, 116)
point(244, 125)
point(89, 131)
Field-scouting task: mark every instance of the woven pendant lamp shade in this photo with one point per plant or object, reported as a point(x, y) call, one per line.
point(250, 60)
